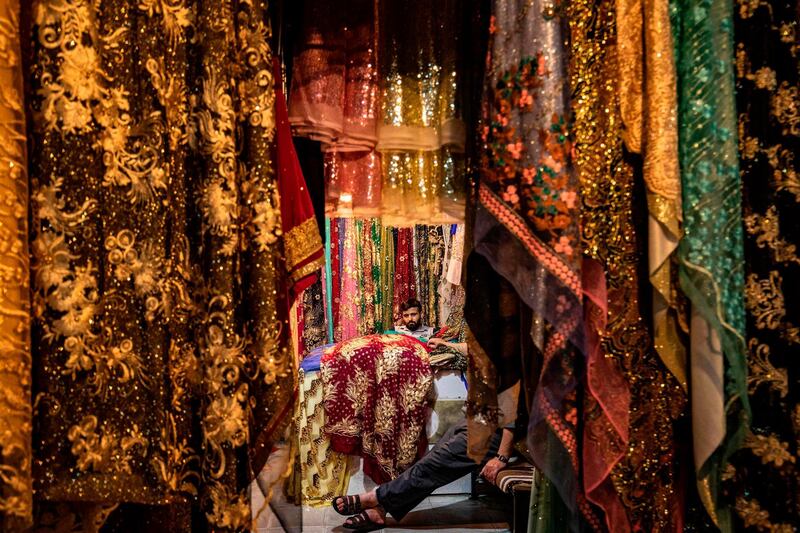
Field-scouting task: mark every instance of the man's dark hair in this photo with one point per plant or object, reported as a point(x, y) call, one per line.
point(408, 304)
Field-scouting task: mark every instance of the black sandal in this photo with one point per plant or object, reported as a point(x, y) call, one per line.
point(362, 523)
point(352, 505)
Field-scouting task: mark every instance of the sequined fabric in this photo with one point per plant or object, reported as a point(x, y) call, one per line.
point(711, 251)
point(421, 136)
point(162, 372)
point(375, 391)
point(334, 99)
point(405, 284)
point(315, 332)
point(648, 108)
point(334, 91)
point(641, 490)
point(763, 481)
point(16, 497)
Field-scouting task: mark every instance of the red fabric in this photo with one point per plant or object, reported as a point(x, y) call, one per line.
point(336, 279)
point(296, 206)
point(376, 390)
point(605, 434)
point(405, 285)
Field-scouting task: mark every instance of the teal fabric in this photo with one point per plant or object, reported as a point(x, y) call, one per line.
point(711, 252)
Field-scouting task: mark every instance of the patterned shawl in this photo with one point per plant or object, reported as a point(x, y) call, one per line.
point(375, 399)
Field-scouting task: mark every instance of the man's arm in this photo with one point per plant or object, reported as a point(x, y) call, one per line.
point(459, 346)
point(495, 464)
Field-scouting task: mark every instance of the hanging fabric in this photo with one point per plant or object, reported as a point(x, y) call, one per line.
point(711, 250)
point(647, 87)
point(16, 487)
point(630, 457)
point(162, 367)
point(421, 136)
point(526, 230)
point(763, 488)
point(303, 248)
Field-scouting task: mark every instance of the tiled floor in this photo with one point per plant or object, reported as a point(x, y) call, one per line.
point(445, 514)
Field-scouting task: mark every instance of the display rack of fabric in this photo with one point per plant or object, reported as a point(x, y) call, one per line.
point(16, 488)
point(763, 486)
point(162, 368)
point(711, 250)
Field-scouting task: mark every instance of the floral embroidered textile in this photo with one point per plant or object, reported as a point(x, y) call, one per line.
point(762, 482)
point(376, 389)
point(162, 369)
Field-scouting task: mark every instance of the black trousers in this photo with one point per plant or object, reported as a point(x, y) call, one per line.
point(446, 462)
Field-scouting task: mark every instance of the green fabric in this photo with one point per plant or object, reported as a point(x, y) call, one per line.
point(711, 252)
point(328, 284)
point(548, 514)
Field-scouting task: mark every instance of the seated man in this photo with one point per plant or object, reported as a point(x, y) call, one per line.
point(411, 311)
point(446, 462)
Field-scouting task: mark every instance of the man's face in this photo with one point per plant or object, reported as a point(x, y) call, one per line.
point(411, 318)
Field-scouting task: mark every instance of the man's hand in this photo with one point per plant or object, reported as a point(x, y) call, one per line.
point(435, 343)
point(491, 468)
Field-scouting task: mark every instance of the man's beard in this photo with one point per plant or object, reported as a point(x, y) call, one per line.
point(412, 326)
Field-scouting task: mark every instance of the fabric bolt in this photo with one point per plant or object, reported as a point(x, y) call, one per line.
point(334, 83)
point(762, 486)
point(405, 286)
point(387, 276)
point(711, 258)
point(315, 332)
point(421, 137)
point(162, 365)
point(375, 391)
point(631, 467)
point(349, 308)
point(16, 496)
point(322, 473)
point(335, 263)
point(429, 264)
point(304, 252)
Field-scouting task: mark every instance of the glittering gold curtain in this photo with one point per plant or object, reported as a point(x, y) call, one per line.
point(161, 367)
point(15, 349)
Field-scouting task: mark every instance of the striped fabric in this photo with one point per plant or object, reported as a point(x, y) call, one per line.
point(515, 477)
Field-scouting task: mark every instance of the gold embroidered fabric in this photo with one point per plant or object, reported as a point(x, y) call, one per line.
point(321, 473)
point(301, 242)
point(162, 365)
point(631, 70)
point(643, 492)
point(648, 107)
point(15, 348)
